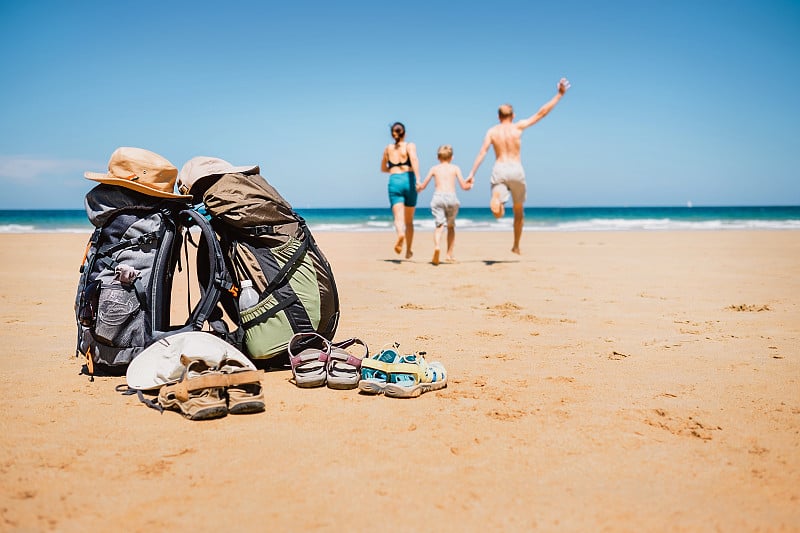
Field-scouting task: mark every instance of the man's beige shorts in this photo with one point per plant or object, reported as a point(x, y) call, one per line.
point(508, 179)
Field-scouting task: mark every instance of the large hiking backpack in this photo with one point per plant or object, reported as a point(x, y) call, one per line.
point(123, 301)
point(266, 241)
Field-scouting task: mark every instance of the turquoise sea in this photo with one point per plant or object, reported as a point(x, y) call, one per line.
point(481, 219)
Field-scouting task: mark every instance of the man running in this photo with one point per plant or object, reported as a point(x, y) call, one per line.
point(508, 176)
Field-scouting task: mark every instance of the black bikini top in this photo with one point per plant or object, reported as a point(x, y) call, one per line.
point(406, 163)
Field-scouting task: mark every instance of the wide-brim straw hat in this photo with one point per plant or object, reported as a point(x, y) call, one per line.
point(160, 363)
point(140, 170)
point(201, 167)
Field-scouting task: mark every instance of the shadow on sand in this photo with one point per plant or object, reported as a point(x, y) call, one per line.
point(487, 262)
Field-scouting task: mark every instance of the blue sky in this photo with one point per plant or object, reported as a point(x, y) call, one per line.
point(671, 101)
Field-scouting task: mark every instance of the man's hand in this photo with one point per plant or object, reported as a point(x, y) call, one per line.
point(563, 85)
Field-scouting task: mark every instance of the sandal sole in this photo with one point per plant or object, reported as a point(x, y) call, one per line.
point(244, 408)
point(342, 385)
point(371, 387)
point(208, 413)
point(393, 390)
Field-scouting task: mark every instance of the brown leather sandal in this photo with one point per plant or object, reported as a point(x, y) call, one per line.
point(200, 394)
point(246, 397)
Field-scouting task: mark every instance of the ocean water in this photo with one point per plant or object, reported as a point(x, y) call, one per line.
point(481, 219)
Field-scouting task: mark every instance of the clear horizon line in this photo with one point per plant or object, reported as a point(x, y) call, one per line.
point(622, 206)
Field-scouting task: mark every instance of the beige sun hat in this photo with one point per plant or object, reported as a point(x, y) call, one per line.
point(160, 363)
point(140, 170)
point(202, 166)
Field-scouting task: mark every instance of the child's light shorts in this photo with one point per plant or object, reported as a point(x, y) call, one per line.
point(444, 208)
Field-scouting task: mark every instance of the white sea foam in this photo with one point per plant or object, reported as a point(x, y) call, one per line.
point(17, 228)
point(595, 224)
point(30, 228)
point(667, 224)
point(471, 220)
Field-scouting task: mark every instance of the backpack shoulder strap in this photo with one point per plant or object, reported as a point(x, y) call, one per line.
point(218, 280)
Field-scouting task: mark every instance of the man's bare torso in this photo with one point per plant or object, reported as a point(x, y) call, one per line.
point(506, 139)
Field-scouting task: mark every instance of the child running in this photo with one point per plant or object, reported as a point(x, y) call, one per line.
point(444, 204)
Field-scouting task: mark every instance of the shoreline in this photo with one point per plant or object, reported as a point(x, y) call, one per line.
point(365, 220)
point(501, 230)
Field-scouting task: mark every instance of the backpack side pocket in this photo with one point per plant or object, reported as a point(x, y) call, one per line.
point(120, 319)
point(87, 305)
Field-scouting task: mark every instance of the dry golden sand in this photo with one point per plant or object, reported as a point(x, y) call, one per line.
point(601, 381)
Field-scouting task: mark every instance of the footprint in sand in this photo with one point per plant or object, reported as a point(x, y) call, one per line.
point(561, 379)
point(755, 449)
point(156, 469)
point(687, 427)
point(518, 383)
point(506, 415)
point(748, 308)
point(418, 307)
point(504, 310)
point(618, 356)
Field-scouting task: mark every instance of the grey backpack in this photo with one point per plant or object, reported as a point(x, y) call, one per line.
point(123, 301)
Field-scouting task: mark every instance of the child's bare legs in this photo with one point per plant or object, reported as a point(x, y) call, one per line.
point(437, 237)
point(519, 219)
point(451, 240)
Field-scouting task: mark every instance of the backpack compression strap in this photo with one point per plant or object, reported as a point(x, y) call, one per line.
point(280, 276)
point(106, 261)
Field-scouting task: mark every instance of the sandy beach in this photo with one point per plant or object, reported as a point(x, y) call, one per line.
point(625, 381)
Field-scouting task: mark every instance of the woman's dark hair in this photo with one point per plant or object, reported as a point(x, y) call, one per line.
point(398, 126)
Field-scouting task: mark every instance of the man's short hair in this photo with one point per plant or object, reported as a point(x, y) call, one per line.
point(445, 152)
point(505, 111)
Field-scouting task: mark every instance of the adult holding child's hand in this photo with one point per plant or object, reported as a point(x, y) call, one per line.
point(508, 176)
point(401, 162)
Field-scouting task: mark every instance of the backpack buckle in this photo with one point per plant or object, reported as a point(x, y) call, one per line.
point(257, 231)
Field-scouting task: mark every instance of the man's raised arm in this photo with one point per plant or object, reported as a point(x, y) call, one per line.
point(563, 85)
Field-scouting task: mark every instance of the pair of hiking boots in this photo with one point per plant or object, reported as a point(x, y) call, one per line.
point(205, 392)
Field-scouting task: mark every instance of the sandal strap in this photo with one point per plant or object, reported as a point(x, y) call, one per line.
point(307, 334)
point(307, 356)
point(151, 403)
point(349, 342)
point(344, 357)
point(211, 380)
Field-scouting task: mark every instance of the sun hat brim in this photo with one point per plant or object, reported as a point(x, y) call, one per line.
point(160, 363)
point(199, 168)
point(128, 184)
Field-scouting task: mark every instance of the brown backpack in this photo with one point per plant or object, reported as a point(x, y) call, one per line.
point(264, 240)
